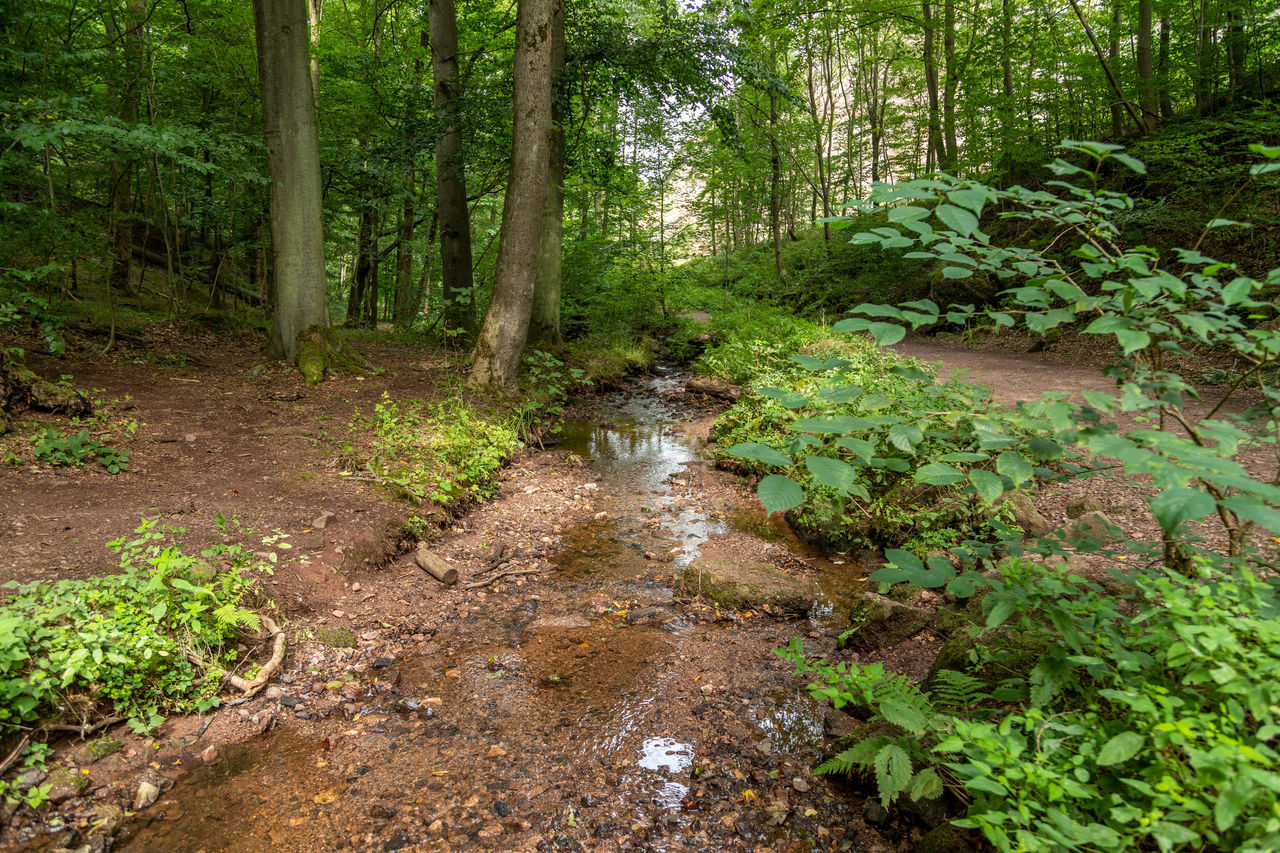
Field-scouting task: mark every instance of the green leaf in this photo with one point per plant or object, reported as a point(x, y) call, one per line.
point(1132, 162)
point(1174, 506)
point(1120, 748)
point(779, 494)
point(902, 714)
point(957, 219)
point(956, 272)
point(1015, 466)
point(788, 399)
point(759, 453)
point(1000, 613)
point(990, 487)
point(1231, 802)
point(893, 771)
point(907, 212)
point(970, 198)
point(887, 334)
point(832, 473)
point(926, 785)
point(939, 474)
point(1132, 340)
point(905, 437)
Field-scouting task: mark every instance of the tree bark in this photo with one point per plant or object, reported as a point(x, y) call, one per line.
point(950, 155)
point(451, 182)
point(289, 124)
point(1148, 96)
point(506, 325)
point(1113, 53)
point(1106, 68)
point(544, 327)
point(1162, 71)
point(934, 154)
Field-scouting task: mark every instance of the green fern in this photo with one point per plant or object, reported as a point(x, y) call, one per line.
point(958, 691)
point(229, 616)
point(855, 759)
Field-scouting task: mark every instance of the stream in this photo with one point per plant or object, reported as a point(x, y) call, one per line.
point(594, 711)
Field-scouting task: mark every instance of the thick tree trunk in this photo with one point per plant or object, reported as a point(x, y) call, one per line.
point(121, 194)
point(451, 181)
point(1148, 95)
point(404, 258)
point(544, 325)
point(1113, 53)
point(289, 122)
point(506, 325)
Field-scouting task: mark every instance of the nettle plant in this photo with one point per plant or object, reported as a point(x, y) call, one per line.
point(1145, 714)
point(1159, 312)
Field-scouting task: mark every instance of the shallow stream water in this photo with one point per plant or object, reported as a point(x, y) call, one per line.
point(580, 719)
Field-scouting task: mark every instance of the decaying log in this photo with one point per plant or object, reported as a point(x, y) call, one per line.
point(434, 566)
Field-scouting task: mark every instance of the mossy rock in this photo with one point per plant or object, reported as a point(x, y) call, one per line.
point(946, 839)
point(21, 389)
point(96, 750)
point(321, 349)
point(748, 583)
point(878, 622)
point(336, 636)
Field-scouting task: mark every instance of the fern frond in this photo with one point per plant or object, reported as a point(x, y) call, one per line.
point(858, 758)
point(958, 691)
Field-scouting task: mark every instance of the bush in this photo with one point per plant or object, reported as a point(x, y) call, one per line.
point(123, 643)
point(442, 452)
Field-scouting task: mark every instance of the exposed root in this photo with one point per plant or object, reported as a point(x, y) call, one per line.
point(15, 755)
point(251, 688)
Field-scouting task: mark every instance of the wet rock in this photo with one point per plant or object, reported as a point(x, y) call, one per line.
point(148, 793)
point(65, 783)
point(210, 755)
point(107, 819)
point(382, 662)
point(879, 622)
point(501, 809)
point(396, 842)
point(29, 778)
point(748, 584)
point(648, 615)
point(876, 814)
point(838, 723)
point(290, 701)
point(1028, 517)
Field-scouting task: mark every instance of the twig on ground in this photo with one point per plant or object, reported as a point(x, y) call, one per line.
point(500, 576)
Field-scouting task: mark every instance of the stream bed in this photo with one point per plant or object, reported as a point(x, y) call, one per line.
point(593, 709)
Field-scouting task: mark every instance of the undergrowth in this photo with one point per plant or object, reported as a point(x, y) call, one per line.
point(445, 453)
point(124, 644)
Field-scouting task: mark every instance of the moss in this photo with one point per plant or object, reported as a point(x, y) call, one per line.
point(321, 349)
point(336, 636)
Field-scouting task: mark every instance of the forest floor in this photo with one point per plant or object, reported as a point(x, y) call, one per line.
point(570, 692)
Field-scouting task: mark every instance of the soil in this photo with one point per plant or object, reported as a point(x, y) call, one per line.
point(569, 693)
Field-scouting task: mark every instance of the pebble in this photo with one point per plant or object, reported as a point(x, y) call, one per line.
point(210, 755)
point(355, 587)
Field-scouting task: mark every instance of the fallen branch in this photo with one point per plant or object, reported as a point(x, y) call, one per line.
point(436, 567)
point(84, 730)
point(15, 755)
point(500, 576)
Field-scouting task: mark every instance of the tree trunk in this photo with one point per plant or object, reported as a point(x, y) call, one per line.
point(289, 122)
point(1237, 47)
point(544, 324)
point(935, 153)
point(1148, 96)
point(1204, 56)
point(506, 325)
point(949, 144)
point(121, 192)
point(451, 183)
point(315, 8)
point(1007, 103)
point(1162, 71)
point(1113, 53)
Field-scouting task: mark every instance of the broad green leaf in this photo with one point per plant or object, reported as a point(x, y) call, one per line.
point(1174, 506)
point(832, 473)
point(1231, 802)
point(893, 771)
point(970, 198)
point(835, 425)
point(1132, 162)
point(905, 437)
point(1120, 748)
point(939, 474)
point(956, 272)
point(959, 220)
point(886, 334)
point(861, 448)
point(1015, 466)
point(906, 212)
point(902, 714)
point(779, 494)
point(1132, 340)
point(990, 487)
point(759, 453)
point(789, 399)
point(926, 785)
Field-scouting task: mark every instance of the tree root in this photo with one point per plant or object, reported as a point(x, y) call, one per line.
point(250, 687)
point(500, 575)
